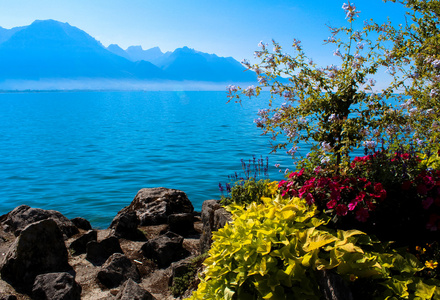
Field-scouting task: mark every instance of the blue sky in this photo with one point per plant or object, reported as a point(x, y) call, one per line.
point(225, 27)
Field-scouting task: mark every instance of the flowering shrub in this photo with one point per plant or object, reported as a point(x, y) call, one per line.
point(337, 195)
point(332, 108)
point(389, 195)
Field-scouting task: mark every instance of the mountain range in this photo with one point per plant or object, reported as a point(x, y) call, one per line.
point(51, 49)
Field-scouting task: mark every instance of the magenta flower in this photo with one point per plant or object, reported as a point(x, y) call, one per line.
point(341, 210)
point(362, 215)
point(331, 204)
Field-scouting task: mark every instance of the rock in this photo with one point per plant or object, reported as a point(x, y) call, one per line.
point(81, 223)
point(182, 223)
point(56, 286)
point(130, 290)
point(153, 206)
point(79, 246)
point(213, 217)
point(99, 252)
point(38, 249)
point(125, 225)
point(23, 215)
point(165, 249)
point(179, 269)
point(117, 269)
point(221, 217)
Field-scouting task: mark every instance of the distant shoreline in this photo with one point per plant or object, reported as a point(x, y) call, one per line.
point(110, 85)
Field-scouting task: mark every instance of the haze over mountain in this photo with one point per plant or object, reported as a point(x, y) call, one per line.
point(54, 50)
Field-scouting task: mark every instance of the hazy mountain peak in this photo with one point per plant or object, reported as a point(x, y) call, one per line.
point(53, 49)
point(135, 48)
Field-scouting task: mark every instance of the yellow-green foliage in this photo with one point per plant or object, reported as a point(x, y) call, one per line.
point(432, 161)
point(272, 251)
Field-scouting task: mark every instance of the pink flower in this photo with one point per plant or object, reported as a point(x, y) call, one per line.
point(352, 205)
point(362, 215)
point(341, 210)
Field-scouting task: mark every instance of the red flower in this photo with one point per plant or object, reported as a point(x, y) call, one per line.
point(371, 205)
point(331, 204)
point(362, 215)
point(309, 198)
point(341, 210)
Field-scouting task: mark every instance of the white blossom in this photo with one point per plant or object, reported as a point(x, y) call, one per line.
point(250, 91)
point(369, 144)
point(232, 88)
point(326, 147)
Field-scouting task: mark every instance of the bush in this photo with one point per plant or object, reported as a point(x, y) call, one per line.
point(272, 250)
point(389, 195)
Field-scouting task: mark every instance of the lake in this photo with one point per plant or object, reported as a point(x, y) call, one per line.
point(86, 154)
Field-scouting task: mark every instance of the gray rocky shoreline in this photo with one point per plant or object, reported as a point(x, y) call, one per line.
point(152, 250)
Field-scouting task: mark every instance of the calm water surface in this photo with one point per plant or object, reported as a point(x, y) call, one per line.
point(88, 153)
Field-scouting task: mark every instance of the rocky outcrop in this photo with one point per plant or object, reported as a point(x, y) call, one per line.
point(116, 270)
point(38, 249)
point(35, 262)
point(154, 205)
point(165, 249)
point(23, 215)
point(99, 252)
point(214, 217)
point(130, 290)
point(56, 286)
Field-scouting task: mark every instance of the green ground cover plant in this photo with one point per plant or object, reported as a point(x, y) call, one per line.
point(273, 250)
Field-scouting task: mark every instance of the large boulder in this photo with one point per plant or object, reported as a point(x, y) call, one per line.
point(213, 217)
point(81, 223)
point(130, 290)
point(116, 270)
point(99, 252)
point(154, 205)
point(56, 286)
point(165, 249)
point(38, 249)
point(182, 224)
point(23, 215)
point(125, 225)
point(79, 245)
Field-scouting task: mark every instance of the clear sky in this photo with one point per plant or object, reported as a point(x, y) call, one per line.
point(225, 27)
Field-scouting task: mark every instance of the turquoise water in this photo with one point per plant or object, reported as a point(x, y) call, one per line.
point(88, 153)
